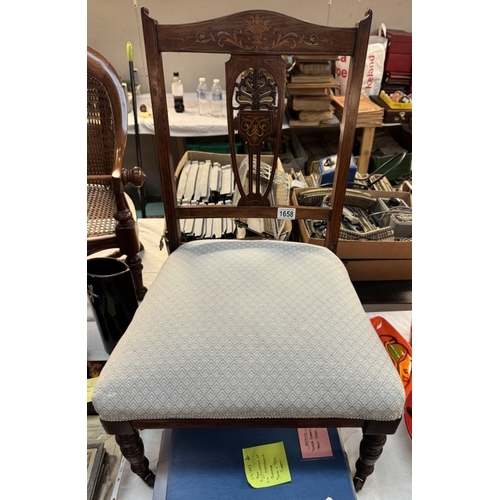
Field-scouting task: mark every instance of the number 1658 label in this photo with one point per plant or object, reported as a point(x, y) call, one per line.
point(286, 213)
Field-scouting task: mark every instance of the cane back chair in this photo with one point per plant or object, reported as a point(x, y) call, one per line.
point(111, 217)
point(251, 332)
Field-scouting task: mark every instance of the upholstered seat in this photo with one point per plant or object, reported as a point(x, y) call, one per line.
point(197, 354)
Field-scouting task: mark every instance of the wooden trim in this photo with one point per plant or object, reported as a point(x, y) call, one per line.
point(256, 32)
point(369, 426)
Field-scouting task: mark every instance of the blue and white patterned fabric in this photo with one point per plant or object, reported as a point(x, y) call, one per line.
point(250, 329)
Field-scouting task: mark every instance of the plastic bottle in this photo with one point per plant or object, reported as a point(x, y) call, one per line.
point(216, 98)
point(178, 93)
point(202, 94)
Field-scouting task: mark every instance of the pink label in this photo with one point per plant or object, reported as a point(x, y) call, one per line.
point(315, 443)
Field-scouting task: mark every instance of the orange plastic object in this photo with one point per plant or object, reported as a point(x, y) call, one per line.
point(398, 349)
point(408, 412)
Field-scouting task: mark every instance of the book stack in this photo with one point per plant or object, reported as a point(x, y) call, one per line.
point(310, 91)
point(369, 113)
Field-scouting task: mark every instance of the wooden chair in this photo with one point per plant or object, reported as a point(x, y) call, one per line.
point(111, 217)
point(251, 332)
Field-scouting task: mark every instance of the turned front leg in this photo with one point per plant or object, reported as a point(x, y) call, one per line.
point(370, 449)
point(132, 448)
point(135, 264)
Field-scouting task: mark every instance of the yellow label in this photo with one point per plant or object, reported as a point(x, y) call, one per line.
point(266, 465)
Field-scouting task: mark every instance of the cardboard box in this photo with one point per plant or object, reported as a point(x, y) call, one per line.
point(369, 260)
point(222, 158)
point(379, 270)
point(225, 159)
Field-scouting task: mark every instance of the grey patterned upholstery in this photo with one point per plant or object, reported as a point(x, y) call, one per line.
point(199, 346)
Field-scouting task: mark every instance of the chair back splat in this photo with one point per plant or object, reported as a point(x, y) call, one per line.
point(250, 332)
point(255, 101)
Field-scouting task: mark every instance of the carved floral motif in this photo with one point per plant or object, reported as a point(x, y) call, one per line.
point(255, 126)
point(257, 34)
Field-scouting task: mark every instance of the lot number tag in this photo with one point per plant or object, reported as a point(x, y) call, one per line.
point(286, 213)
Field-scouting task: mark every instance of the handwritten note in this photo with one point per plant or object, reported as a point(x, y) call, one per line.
point(315, 443)
point(266, 465)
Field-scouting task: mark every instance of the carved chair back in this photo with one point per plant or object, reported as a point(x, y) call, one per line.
point(255, 82)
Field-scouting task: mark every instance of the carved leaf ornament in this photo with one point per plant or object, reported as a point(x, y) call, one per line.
point(256, 90)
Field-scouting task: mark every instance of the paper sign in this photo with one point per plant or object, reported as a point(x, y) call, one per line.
point(266, 465)
point(91, 382)
point(315, 443)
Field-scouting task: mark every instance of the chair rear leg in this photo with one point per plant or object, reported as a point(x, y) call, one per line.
point(370, 449)
point(135, 264)
point(132, 448)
